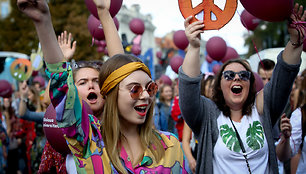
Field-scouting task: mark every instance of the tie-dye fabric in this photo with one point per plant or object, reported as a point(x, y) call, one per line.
point(83, 136)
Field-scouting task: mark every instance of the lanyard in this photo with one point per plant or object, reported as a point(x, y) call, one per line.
point(242, 147)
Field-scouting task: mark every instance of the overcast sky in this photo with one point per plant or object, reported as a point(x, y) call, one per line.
point(167, 17)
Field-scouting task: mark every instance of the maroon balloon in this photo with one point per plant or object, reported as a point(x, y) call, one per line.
point(100, 49)
point(159, 54)
point(231, 53)
point(53, 133)
point(176, 62)
point(180, 39)
point(216, 68)
point(165, 79)
point(136, 49)
point(40, 80)
point(114, 7)
point(258, 82)
point(216, 48)
point(6, 89)
point(116, 22)
point(102, 43)
point(137, 26)
point(209, 59)
point(34, 73)
point(269, 10)
point(95, 28)
point(304, 45)
point(249, 21)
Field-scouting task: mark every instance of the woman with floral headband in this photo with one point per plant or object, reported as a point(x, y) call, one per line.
point(124, 142)
point(234, 128)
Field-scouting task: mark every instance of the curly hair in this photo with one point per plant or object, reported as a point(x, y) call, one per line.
point(218, 97)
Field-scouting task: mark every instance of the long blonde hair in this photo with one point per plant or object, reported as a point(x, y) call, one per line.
point(111, 132)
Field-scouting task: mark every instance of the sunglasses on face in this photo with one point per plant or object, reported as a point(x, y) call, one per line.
point(81, 64)
point(243, 75)
point(137, 90)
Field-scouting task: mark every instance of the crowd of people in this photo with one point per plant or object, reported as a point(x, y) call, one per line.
point(116, 119)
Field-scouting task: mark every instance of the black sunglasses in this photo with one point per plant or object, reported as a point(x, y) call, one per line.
point(81, 64)
point(243, 75)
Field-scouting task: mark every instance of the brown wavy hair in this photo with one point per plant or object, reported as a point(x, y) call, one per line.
point(111, 132)
point(218, 97)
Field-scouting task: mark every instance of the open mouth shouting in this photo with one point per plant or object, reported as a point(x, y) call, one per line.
point(92, 98)
point(141, 109)
point(237, 89)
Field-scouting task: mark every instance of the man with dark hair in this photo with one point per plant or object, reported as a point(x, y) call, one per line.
point(265, 69)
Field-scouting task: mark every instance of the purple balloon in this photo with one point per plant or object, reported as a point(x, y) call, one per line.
point(176, 62)
point(231, 53)
point(216, 48)
point(114, 7)
point(6, 89)
point(180, 39)
point(137, 26)
point(249, 21)
point(271, 10)
point(159, 54)
point(165, 80)
point(136, 49)
point(216, 68)
point(258, 82)
point(95, 28)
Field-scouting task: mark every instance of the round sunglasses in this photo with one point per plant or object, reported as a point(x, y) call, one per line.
point(137, 90)
point(243, 75)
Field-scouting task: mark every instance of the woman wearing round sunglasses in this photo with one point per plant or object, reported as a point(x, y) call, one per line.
point(234, 129)
point(124, 141)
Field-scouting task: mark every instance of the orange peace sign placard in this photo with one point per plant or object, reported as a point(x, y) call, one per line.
point(21, 69)
point(208, 7)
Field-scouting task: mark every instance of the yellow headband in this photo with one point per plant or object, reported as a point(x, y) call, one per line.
point(119, 74)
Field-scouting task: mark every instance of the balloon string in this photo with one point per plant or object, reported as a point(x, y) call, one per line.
point(299, 26)
point(92, 41)
point(249, 33)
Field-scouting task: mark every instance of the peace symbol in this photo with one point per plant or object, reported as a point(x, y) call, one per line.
point(208, 7)
point(21, 69)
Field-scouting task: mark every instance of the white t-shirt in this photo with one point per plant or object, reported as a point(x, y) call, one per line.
point(228, 157)
point(296, 139)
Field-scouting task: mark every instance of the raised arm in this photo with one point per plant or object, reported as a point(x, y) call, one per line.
point(113, 41)
point(38, 11)
point(290, 56)
point(191, 64)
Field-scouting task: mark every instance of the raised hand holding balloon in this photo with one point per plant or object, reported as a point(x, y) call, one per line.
point(208, 7)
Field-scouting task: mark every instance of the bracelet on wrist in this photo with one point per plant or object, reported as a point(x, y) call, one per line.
point(296, 44)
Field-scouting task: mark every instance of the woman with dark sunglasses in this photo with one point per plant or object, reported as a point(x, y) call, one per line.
point(234, 129)
point(124, 141)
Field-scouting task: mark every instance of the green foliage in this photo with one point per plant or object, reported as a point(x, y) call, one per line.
point(17, 32)
point(255, 136)
point(229, 138)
